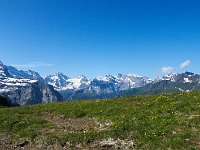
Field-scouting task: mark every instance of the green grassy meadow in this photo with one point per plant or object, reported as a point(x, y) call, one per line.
point(170, 121)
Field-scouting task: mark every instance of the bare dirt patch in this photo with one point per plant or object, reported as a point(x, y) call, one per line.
point(72, 125)
point(8, 143)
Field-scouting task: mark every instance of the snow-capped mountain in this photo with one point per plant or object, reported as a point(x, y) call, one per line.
point(187, 77)
point(23, 91)
point(120, 82)
point(3, 71)
point(29, 74)
point(62, 82)
point(103, 84)
point(71, 86)
point(187, 81)
point(57, 80)
point(127, 85)
point(19, 84)
point(125, 82)
point(79, 82)
point(99, 85)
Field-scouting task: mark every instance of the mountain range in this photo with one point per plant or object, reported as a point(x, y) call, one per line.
point(28, 87)
point(184, 82)
point(25, 90)
point(99, 87)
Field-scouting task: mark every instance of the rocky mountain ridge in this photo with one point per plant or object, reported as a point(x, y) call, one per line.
point(23, 91)
point(183, 82)
point(98, 86)
point(102, 86)
point(71, 87)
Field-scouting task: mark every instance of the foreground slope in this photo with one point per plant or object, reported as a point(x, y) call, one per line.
point(143, 122)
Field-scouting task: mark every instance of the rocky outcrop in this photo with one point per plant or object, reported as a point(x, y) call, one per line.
point(31, 93)
point(26, 91)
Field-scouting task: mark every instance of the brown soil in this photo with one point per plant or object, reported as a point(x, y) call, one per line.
point(70, 125)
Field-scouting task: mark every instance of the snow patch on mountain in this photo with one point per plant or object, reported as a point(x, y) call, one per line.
point(77, 83)
point(98, 85)
point(57, 80)
point(187, 77)
point(187, 80)
point(29, 74)
point(25, 91)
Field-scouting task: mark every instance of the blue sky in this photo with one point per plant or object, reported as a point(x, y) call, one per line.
point(99, 37)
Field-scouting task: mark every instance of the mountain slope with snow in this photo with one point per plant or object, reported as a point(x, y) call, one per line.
point(29, 74)
point(183, 82)
point(23, 91)
point(3, 71)
point(62, 82)
point(71, 87)
point(101, 85)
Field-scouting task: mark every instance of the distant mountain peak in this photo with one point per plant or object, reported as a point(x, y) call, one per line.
point(187, 77)
point(24, 87)
point(105, 78)
point(189, 73)
point(58, 73)
point(134, 75)
point(1, 63)
point(29, 74)
point(119, 75)
point(82, 77)
point(4, 71)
